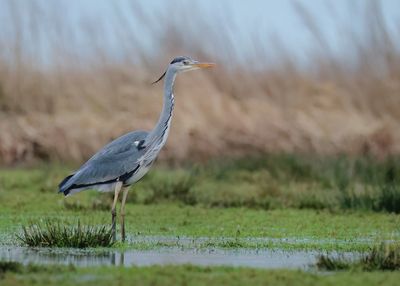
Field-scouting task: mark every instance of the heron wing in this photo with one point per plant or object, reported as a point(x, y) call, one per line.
point(114, 162)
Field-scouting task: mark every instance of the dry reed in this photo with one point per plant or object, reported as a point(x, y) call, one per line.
point(56, 104)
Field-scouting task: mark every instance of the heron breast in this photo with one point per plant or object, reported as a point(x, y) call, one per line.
point(138, 174)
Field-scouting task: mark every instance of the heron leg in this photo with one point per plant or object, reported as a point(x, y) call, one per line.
point(124, 196)
point(118, 187)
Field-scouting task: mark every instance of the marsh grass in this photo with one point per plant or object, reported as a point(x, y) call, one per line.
point(279, 181)
point(385, 256)
point(167, 275)
point(325, 262)
point(17, 267)
point(53, 233)
point(9, 266)
point(268, 181)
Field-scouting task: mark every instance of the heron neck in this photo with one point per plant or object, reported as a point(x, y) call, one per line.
point(161, 129)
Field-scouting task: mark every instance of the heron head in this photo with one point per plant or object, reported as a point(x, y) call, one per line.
point(184, 64)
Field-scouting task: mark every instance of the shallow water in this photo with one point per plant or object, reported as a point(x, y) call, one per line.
point(199, 241)
point(163, 256)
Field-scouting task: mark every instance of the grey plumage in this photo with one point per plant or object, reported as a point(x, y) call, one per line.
point(114, 162)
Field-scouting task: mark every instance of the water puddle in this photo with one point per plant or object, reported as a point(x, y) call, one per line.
point(163, 256)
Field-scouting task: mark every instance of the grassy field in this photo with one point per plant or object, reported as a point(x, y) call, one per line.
point(348, 231)
point(186, 275)
point(330, 204)
point(270, 202)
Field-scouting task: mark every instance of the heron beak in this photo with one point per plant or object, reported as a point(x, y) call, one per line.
point(203, 65)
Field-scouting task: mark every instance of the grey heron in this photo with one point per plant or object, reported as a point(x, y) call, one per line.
point(128, 158)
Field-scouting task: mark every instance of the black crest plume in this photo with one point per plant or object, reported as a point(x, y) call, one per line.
point(161, 77)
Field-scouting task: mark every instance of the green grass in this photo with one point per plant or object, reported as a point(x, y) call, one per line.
point(330, 204)
point(280, 181)
point(326, 230)
point(385, 256)
point(185, 275)
point(336, 204)
point(266, 182)
point(54, 233)
point(9, 266)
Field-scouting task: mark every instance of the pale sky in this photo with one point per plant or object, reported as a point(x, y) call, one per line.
point(265, 17)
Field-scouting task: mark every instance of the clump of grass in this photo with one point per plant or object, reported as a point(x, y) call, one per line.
point(52, 233)
point(325, 262)
point(9, 266)
point(385, 256)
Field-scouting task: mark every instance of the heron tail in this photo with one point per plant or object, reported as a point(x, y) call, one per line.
point(61, 186)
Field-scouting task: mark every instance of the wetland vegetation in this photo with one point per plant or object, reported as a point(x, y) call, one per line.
point(53, 233)
point(385, 256)
point(335, 203)
point(17, 275)
point(279, 202)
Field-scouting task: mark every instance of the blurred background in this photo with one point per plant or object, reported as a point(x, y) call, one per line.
point(320, 77)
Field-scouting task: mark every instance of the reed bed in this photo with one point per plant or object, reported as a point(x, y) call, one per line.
point(385, 256)
point(60, 103)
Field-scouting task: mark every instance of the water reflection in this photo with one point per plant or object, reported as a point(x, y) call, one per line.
point(83, 258)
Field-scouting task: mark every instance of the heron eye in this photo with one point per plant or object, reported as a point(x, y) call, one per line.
point(185, 62)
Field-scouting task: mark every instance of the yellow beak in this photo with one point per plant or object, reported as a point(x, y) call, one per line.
point(204, 65)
